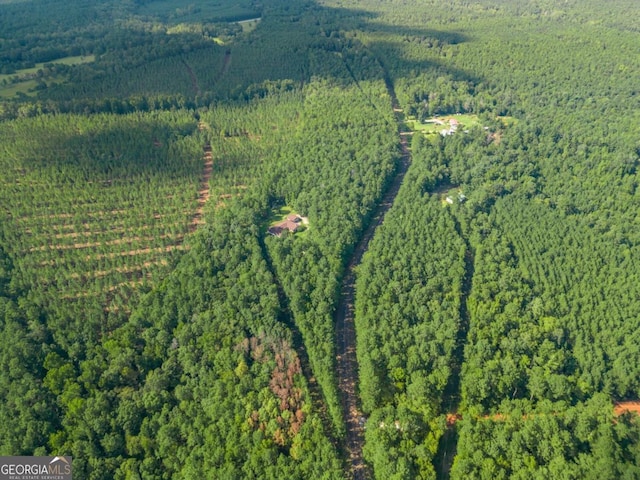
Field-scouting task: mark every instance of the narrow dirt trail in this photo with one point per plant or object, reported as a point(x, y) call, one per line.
point(225, 64)
point(203, 192)
point(345, 328)
point(619, 408)
point(194, 80)
point(195, 85)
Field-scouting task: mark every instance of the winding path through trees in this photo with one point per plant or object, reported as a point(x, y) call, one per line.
point(345, 329)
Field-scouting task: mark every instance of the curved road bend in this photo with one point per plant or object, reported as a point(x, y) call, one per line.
point(345, 329)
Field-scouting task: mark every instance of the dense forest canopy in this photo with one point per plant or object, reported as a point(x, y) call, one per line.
point(152, 328)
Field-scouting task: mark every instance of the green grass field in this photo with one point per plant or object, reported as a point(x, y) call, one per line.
point(432, 126)
point(76, 60)
point(12, 89)
point(435, 125)
point(62, 61)
point(27, 85)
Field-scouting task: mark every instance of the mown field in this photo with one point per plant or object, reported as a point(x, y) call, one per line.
point(29, 80)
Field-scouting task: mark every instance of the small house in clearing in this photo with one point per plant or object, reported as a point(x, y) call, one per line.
point(450, 198)
point(291, 224)
point(453, 124)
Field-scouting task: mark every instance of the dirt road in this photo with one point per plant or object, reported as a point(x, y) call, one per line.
point(345, 329)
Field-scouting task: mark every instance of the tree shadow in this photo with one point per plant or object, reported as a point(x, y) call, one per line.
point(295, 43)
point(109, 149)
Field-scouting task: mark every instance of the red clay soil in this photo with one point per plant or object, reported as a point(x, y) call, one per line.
point(452, 418)
point(203, 192)
point(624, 407)
point(619, 408)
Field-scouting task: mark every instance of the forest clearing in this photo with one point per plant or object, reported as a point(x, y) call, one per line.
point(449, 124)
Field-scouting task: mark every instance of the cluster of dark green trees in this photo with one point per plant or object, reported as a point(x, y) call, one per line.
point(534, 272)
point(195, 372)
point(148, 351)
point(408, 298)
point(552, 441)
point(333, 171)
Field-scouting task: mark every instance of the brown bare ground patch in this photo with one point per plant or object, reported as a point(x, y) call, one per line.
point(60, 227)
point(452, 418)
point(116, 309)
point(203, 192)
point(619, 408)
point(227, 196)
point(53, 215)
point(128, 253)
point(26, 184)
point(624, 407)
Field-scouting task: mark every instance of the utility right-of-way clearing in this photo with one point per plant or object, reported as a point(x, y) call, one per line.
point(345, 328)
